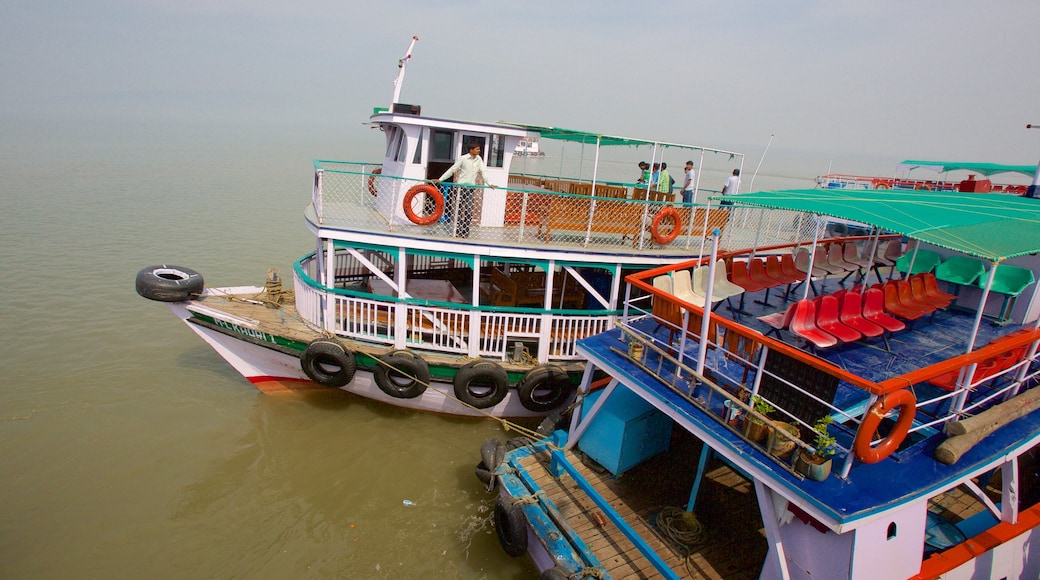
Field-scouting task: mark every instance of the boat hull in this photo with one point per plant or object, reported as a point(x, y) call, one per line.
point(272, 370)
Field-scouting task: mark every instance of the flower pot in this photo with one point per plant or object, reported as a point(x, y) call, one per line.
point(754, 430)
point(778, 444)
point(812, 466)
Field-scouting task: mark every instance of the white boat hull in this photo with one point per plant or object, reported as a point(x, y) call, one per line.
point(272, 371)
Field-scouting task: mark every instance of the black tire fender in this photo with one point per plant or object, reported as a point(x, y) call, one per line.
point(328, 363)
point(511, 526)
point(544, 388)
point(481, 383)
point(402, 374)
point(166, 283)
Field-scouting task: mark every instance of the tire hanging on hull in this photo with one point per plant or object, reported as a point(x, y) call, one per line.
point(481, 384)
point(511, 526)
point(166, 283)
point(328, 363)
point(544, 388)
point(402, 374)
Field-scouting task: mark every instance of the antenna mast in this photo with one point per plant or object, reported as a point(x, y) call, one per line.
point(401, 64)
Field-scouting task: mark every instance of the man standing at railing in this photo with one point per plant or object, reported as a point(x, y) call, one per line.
point(469, 167)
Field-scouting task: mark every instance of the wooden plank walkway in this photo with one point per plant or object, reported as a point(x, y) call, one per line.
point(733, 544)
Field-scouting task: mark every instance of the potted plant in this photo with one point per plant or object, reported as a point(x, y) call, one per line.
point(816, 464)
point(780, 444)
point(754, 427)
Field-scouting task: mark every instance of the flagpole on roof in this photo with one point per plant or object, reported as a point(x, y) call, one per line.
point(401, 64)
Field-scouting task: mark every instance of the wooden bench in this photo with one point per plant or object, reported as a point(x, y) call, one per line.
point(500, 289)
point(610, 215)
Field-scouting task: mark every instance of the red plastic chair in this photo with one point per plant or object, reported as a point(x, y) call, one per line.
point(803, 324)
point(931, 286)
point(758, 274)
point(874, 311)
point(908, 299)
point(896, 308)
point(827, 321)
point(852, 315)
point(778, 321)
point(775, 269)
point(921, 294)
point(740, 276)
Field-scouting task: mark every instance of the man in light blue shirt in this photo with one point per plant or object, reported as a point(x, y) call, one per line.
point(469, 167)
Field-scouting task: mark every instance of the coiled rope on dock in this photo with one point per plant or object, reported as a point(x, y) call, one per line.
point(681, 527)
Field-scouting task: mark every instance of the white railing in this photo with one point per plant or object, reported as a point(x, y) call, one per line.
point(442, 329)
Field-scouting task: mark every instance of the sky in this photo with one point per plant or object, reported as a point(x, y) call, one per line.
point(831, 79)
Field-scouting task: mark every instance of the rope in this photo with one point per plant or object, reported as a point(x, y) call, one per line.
point(681, 527)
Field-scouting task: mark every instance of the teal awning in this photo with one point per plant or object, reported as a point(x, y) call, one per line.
point(994, 227)
point(576, 136)
point(980, 168)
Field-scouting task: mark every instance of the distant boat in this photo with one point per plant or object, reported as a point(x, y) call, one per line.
point(967, 182)
point(411, 299)
point(814, 436)
point(528, 147)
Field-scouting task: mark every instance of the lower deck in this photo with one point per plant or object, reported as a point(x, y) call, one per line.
point(726, 542)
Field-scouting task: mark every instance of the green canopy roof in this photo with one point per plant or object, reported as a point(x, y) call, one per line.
point(989, 226)
point(576, 136)
point(981, 168)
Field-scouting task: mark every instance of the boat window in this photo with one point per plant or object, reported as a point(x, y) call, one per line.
point(417, 158)
point(891, 530)
point(392, 141)
point(442, 146)
point(496, 152)
point(401, 148)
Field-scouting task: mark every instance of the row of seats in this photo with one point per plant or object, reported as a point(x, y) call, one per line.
point(987, 368)
point(849, 315)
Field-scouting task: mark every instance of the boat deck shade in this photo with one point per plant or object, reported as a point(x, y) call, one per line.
point(980, 168)
point(990, 226)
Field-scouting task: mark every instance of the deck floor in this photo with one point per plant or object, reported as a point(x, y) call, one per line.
point(733, 545)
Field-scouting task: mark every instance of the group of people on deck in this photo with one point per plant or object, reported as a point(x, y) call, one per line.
point(660, 180)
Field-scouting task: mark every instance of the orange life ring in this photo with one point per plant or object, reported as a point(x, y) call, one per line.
point(654, 229)
point(902, 399)
point(438, 199)
point(881, 186)
point(372, 180)
point(920, 187)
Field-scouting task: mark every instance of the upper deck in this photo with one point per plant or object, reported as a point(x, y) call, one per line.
point(544, 214)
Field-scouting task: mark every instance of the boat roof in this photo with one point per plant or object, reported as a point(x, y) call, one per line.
point(577, 136)
point(982, 168)
point(989, 226)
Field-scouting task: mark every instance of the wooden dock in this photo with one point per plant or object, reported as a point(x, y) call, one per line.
point(732, 544)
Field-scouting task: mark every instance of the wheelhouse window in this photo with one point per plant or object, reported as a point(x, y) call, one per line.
point(442, 146)
point(496, 153)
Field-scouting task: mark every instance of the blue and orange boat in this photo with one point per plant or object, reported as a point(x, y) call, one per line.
point(833, 407)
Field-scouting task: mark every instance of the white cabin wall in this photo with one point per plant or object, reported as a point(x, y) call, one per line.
point(878, 556)
point(810, 553)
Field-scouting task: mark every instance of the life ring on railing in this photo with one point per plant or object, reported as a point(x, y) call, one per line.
point(511, 526)
point(655, 228)
point(544, 388)
point(328, 363)
point(923, 187)
point(372, 181)
point(481, 383)
point(881, 186)
point(902, 399)
point(438, 199)
point(169, 283)
point(402, 374)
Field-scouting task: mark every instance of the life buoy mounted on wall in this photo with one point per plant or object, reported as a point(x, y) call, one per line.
point(372, 181)
point(438, 200)
point(481, 383)
point(328, 363)
point(655, 229)
point(402, 374)
point(902, 399)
